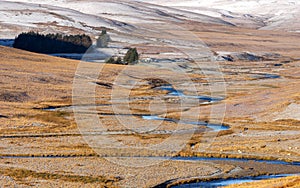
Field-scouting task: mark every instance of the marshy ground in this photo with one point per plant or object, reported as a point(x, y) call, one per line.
point(41, 145)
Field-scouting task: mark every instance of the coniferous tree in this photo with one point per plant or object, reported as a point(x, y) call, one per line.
point(131, 56)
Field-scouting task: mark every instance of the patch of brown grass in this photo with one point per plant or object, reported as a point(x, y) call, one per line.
point(21, 174)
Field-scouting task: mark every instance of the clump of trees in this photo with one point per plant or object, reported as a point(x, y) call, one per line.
point(115, 60)
point(130, 58)
point(52, 43)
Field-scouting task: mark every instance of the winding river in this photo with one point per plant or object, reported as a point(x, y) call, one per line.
point(178, 93)
point(222, 183)
point(205, 184)
point(231, 181)
point(214, 127)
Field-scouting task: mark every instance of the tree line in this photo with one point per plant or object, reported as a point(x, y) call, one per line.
point(52, 43)
point(130, 58)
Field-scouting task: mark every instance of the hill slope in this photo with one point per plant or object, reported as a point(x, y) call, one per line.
point(264, 14)
point(87, 16)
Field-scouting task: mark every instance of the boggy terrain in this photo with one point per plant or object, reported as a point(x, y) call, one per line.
point(50, 138)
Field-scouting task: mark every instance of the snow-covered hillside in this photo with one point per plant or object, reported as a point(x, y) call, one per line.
point(268, 14)
point(139, 22)
point(86, 16)
point(240, 6)
point(90, 16)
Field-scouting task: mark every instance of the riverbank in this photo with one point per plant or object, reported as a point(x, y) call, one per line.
point(292, 181)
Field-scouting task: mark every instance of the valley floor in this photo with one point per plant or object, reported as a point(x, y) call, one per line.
point(49, 138)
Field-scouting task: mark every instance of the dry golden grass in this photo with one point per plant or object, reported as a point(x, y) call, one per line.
point(223, 38)
point(24, 174)
point(30, 82)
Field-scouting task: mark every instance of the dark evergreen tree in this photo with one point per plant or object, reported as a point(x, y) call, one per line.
point(131, 57)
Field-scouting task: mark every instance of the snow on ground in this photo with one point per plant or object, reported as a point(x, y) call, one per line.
point(276, 15)
point(86, 16)
point(23, 16)
point(119, 15)
point(123, 17)
point(241, 6)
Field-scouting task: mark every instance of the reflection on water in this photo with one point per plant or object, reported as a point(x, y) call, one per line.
point(236, 159)
point(266, 76)
point(173, 92)
point(215, 127)
point(221, 183)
